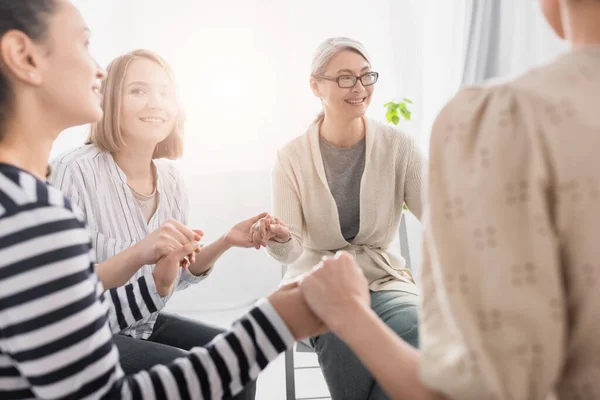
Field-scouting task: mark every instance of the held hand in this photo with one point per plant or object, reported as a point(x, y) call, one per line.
point(268, 228)
point(167, 268)
point(238, 235)
point(170, 236)
point(335, 290)
point(293, 309)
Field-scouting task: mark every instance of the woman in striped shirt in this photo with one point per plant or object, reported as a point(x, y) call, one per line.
point(55, 340)
point(125, 169)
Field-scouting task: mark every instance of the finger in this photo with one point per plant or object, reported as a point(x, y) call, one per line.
point(259, 217)
point(176, 234)
point(256, 240)
point(340, 254)
point(278, 230)
point(185, 263)
point(317, 267)
point(171, 244)
point(279, 221)
point(264, 232)
point(182, 251)
point(199, 234)
point(166, 245)
point(290, 285)
point(184, 230)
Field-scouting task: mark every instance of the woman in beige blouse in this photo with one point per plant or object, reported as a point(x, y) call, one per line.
point(511, 276)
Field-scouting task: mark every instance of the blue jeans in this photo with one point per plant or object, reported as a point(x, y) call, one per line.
point(171, 338)
point(346, 377)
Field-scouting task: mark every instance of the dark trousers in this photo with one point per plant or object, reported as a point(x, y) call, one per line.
point(171, 338)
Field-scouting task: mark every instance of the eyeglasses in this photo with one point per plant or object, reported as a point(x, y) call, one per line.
point(349, 81)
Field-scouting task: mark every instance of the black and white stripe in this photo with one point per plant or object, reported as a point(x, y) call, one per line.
point(94, 182)
point(55, 341)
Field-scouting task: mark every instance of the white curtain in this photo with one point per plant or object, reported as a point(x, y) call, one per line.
point(526, 39)
point(428, 44)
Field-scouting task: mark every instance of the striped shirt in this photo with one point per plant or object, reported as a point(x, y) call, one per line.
point(93, 181)
point(55, 341)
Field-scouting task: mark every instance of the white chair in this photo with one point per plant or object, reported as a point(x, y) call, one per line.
point(301, 347)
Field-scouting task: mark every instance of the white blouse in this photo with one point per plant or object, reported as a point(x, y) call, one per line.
point(94, 182)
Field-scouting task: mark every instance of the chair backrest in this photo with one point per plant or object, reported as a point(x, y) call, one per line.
point(403, 234)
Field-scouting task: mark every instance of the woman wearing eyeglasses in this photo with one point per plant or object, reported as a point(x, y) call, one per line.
point(341, 186)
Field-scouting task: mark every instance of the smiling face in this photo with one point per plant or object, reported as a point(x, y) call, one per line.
point(148, 104)
point(347, 103)
point(54, 68)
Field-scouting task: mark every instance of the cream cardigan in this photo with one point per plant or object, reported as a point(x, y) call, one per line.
point(301, 197)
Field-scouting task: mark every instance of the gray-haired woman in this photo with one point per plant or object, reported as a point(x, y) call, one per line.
point(341, 186)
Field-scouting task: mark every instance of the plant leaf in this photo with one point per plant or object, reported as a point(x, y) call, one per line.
point(390, 115)
point(395, 120)
point(409, 101)
point(405, 113)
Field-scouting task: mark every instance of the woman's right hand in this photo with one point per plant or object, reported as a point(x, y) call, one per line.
point(336, 290)
point(162, 242)
point(268, 228)
point(167, 268)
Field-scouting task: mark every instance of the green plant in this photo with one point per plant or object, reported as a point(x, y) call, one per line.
point(394, 111)
point(397, 110)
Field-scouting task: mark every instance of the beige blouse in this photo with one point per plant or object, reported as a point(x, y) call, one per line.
point(511, 274)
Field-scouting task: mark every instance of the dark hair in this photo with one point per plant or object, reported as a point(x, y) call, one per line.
point(29, 17)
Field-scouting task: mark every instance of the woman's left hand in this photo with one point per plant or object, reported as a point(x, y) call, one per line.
point(268, 228)
point(238, 235)
point(335, 290)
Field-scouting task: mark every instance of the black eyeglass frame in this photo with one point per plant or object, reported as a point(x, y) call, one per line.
point(356, 79)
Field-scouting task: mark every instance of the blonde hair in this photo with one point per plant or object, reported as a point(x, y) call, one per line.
point(107, 134)
point(330, 48)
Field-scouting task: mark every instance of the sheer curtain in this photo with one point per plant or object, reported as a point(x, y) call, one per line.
point(243, 69)
point(428, 46)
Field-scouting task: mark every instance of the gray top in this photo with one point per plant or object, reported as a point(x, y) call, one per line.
point(344, 170)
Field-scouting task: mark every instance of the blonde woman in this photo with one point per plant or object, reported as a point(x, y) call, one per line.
point(342, 185)
point(127, 187)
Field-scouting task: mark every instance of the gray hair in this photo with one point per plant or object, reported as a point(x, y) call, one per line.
point(330, 48)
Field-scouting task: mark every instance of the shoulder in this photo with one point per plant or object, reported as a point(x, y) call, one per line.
point(389, 136)
point(493, 127)
point(83, 160)
point(80, 154)
point(168, 168)
point(169, 174)
point(540, 89)
point(24, 195)
point(298, 146)
point(298, 150)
